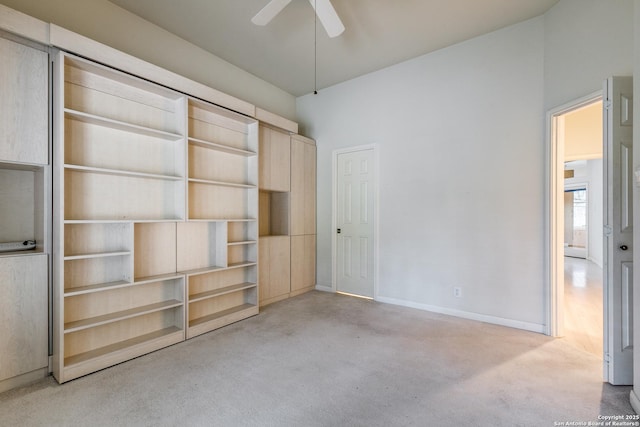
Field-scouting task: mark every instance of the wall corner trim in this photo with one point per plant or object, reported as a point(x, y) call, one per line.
point(516, 324)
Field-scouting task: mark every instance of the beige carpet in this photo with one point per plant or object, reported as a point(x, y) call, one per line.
point(329, 360)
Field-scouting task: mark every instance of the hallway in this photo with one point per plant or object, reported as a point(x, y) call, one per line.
point(583, 319)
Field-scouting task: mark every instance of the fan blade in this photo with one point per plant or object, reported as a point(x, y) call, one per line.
point(269, 11)
point(328, 17)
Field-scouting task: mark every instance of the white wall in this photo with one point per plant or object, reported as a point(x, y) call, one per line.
point(462, 179)
point(109, 24)
point(460, 133)
point(596, 193)
point(586, 41)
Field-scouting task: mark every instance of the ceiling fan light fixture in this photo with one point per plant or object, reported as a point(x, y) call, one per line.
point(324, 10)
point(328, 17)
point(269, 12)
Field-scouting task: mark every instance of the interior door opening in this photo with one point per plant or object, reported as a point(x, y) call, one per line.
point(605, 240)
point(581, 133)
point(576, 299)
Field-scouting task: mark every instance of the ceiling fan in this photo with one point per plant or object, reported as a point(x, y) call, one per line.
point(324, 9)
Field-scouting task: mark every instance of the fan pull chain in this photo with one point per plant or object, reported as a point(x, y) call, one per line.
point(315, 48)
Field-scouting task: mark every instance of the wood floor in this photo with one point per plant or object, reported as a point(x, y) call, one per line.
point(583, 305)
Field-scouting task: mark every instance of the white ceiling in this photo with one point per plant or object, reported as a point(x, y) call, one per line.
point(378, 33)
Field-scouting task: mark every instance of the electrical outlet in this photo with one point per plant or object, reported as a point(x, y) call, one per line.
point(457, 292)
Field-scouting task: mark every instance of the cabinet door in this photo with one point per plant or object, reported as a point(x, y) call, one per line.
point(303, 187)
point(23, 315)
point(303, 262)
point(264, 157)
point(274, 161)
point(24, 91)
point(310, 260)
point(263, 268)
point(280, 261)
point(309, 189)
point(297, 188)
point(274, 267)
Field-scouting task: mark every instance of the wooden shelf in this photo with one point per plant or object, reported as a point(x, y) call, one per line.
point(79, 325)
point(222, 291)
point(117, 172)
point(222, 183)
point(221, 147)
point(221, 314)
point(116, 124)
point(245, 242)
point(30, 252)
point(222, 220)
point(242, 264)
point(120, 221)
point(156, 278)
point(80, 290)
point(212, 269)
point(204, 270)
point(96, 255)
point(100, 287)
point(27, 167)
point(109, 349)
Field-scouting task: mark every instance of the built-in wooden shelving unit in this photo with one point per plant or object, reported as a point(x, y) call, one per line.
point(156, 219)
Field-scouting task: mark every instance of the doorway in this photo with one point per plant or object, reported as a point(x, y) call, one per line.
point(577, 224)
point(583, 227)
point(355, 221)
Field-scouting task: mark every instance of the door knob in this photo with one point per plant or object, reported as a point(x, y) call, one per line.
point(339, 231)
point(624, 247)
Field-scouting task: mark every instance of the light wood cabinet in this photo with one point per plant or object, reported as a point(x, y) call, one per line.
point(23, 317)
point(274, 184)
point(303, 214)
point(24, 103)
point(289, 215)
point(303, 186)
point(275, 259)
point(275, 164)
point(25, 195)
point(303, 263)
point(156, 231)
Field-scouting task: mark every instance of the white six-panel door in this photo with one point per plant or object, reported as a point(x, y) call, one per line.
point(355, 230)
point(618, 276)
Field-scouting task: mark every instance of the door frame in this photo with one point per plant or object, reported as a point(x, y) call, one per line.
point(554, 187)
point(334, 212)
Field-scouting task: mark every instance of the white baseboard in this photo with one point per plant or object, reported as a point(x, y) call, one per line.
point(324, 288)
point(517, 324)
point(23, 379)
point(635, 402)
